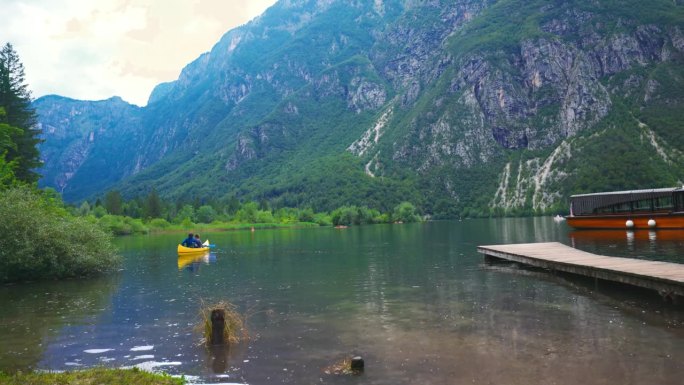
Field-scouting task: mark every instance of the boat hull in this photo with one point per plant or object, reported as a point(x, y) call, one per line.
point(192, 250)
point(640, 221)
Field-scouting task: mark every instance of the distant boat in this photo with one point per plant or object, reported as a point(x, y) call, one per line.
point(637, 209)
point(559, 218)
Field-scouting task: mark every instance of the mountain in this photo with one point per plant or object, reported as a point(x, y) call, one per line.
point(466, 107)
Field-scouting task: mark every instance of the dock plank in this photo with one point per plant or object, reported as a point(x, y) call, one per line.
point(665, 277)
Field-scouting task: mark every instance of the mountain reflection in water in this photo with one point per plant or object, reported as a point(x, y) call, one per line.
point(415, 300)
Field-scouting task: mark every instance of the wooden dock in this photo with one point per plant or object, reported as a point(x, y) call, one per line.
point(667, 278)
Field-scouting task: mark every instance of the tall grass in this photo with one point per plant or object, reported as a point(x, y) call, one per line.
point(99, 376)
point(234, 331)
point(40, 240)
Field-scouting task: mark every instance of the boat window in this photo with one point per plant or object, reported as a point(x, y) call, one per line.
point(623, 207)
point(643, 205)
point(605, 210)
point(663, 203)
point(679, 201)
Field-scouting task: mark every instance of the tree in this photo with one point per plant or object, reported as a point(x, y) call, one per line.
point(206, 214)
point(232, 206)
point(186, 212)
point(405, 212)
point(248, 212)
point(7, 132)
point(153, 205)
point(15, 99)
point(113, 202)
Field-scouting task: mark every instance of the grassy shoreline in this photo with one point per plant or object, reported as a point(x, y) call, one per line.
point(96, 376)
point(219, 227)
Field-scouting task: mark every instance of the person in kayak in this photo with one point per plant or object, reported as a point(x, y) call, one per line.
point(198, 241)
point(189, 241)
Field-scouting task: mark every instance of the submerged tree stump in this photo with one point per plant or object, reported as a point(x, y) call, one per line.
point(218, 324)
point(357, 364)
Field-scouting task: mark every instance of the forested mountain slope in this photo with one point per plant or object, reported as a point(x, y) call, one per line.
point(464, 107)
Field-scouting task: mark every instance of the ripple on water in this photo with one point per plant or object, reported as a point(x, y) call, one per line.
point(96, 351)
point(142, 348)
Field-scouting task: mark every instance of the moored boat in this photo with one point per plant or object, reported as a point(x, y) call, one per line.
point(637, 209)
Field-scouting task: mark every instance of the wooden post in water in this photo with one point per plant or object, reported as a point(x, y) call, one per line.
point(218, 324)
point(357, 364)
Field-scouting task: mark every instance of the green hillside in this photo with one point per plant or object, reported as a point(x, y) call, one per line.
point(466, 108)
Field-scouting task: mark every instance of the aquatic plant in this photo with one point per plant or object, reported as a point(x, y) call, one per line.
point(234, 324)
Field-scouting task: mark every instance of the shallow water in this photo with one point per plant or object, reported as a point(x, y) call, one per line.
point(415, 300)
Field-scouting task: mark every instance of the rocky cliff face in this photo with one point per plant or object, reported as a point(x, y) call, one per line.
point(87, 143)
point(485, 106)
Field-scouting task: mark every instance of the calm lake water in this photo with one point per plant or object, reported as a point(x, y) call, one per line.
point(415, 300)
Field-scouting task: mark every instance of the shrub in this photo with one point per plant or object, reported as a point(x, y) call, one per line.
point(42, 241)
point(405, 212)
point(206, 214)
point(264, 217)
point(306, 215)
point(159, 223)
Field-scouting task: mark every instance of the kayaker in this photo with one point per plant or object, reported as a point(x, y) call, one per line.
point(189, 241)
point(198, 241)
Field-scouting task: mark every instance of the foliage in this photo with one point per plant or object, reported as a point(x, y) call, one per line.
point(353, 215)
point(159, 223)
point(153, 205)
point(405, 212)
point(206, 214)
point(187, 212)
point(15, 100)
point(113, 202)
point(279, 135)
point(247, 213)
point(97, 376)
point(120, 225)
point(7, 167)
point(42, 241)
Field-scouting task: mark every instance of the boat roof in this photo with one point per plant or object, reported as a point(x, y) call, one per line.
point(630, 192)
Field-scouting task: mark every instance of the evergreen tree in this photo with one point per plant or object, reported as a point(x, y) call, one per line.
point(113, 202)
point(7, 132)
point(153, 205)
point(15, 99)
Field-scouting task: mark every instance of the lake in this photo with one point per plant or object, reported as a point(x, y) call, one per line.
point(416, 301)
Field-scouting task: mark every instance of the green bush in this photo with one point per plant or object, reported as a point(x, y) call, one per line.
point(263, 216)
point(306, 215)
point(159, 223)
point(405, 212)
point(322, 219)
point(206, 214)
point(42, 241)
point(119, 225)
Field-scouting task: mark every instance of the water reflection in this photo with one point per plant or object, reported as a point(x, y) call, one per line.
point(414, 300)
point(33, 314)
point(660, 245)
point(192, 262)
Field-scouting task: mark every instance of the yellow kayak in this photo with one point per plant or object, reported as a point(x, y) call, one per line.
point(194, 250)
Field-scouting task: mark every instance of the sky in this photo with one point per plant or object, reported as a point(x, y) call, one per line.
point(96, 49)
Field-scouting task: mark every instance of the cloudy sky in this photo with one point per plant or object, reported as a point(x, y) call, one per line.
point(93, 50)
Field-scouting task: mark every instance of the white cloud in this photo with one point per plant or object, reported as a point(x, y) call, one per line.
point(93, 50)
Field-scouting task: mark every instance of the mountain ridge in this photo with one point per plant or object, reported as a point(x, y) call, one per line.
point(466, 108)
